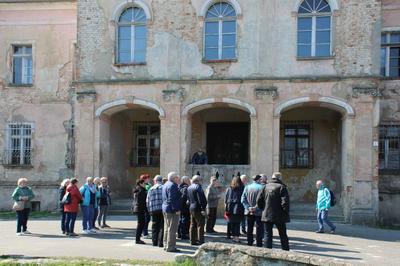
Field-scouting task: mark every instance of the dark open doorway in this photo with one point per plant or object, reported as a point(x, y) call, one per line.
point(228, 143)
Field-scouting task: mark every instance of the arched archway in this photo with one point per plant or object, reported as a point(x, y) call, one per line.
point(129, 140)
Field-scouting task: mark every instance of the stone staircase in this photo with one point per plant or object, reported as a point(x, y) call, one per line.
point(120, 207)
point(306, 212)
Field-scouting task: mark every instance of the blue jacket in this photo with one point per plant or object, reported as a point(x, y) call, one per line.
point(85, 192)
point(249, 198)
point(197, 199)
point(171, 198)
point(324, 198)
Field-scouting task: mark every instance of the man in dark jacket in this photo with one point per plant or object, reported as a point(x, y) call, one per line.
point(184, 222)
point(171, 208)
point(274, 201)
point(197, 206)
point(200, 157)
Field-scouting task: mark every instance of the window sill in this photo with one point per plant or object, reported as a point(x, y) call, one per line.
point(130, 64)
point(390, 78)
point(219, 61)
point(18, 166)
point(312, 58)
point(19, 85)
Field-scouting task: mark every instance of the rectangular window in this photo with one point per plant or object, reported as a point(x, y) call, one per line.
point(389, 148)
point(147, 148)
point(296, 151)
point(314, 36)
point(390, 54)
point(19, 144)
point(22, 65)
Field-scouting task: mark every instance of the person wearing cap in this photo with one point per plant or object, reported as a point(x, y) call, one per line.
point(197, 207)
point(274, 203)
point(71, 208)
point(184, 221)
point(171, 210)
point(154, 207)
point(252, 213)
point(213, 196)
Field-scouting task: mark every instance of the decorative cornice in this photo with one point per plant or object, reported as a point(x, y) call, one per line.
point(261, 92)
point(86, 96)
point(370, 91)
point(177, 94)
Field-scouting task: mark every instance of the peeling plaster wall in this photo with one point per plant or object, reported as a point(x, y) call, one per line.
point(51, 30)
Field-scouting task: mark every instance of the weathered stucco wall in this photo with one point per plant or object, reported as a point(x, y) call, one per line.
point(51, 30)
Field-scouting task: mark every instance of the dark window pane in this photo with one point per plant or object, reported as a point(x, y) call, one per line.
point(323, 23)
point(303, 131)
point(18, 49)
point(142, 161)
point(155, 130)
point(142, 152)
point(28, 50)
point(229, 27)
point(322, 50)
point(17, 70)
point(383, 61)
point(304, 24)
point(395, 38)
point(211, 41)
point(142, 130)
point(394, 72)
point(126, 16)
point(323, 36)
point(395, 52)
point(304, 37)
point(211, 53)
point(383, 38)
point(290, 132)
point(394, 62)
point(303, 50)
point(229, 40)
point(290, 143)
point(302, 143)
point(228, 53)
point(142, 143)
point(211, 28)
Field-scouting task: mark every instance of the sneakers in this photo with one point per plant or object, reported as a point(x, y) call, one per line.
point(26, 232)
point(320, 232)
point(332, 231)
point(93, 231)
point(85, 232)
point(147, 236)
point(20, 234)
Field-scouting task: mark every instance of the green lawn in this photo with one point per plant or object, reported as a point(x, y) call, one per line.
point(40, 214)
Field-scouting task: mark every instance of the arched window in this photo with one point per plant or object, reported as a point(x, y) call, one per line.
point(220, 32)
point(314, 29)
point(132, 36)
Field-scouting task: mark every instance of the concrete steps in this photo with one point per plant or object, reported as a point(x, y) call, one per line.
point(120, 207)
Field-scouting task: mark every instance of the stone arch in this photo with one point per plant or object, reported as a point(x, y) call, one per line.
point(234, 102)
point(332, 3)
point(129, 3)
point(122, 104)
point(208, 3)
point(329, 102)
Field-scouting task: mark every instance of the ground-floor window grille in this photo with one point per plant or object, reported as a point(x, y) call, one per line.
point(19, 144)
point(389, 148)
point(296, 148)
point(146, 151)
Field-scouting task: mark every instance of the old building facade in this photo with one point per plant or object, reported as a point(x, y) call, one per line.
point(279, 85)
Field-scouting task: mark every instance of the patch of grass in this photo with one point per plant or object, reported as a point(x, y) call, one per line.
point(35, 214)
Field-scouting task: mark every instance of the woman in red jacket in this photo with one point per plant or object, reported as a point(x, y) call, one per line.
point(72, 207)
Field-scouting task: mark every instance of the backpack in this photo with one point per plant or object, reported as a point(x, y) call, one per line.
point(333, 198)
point(66, 199)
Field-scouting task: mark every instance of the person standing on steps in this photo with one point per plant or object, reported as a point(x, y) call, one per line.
point(323, 205)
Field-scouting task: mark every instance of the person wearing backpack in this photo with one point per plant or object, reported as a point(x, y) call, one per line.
point(323, 205)
point(71, 206)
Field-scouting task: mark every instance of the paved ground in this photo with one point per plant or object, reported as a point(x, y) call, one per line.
point(351, 243)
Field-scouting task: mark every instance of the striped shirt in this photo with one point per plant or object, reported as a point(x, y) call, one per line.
point(154, 198)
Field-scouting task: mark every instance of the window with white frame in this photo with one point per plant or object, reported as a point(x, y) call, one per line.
point(390, 54)
point(22, 64)
point(147, 149)
point(389, 147)
point(132, 36)
point(19, 144)
point(220, 32)
point(314, 29)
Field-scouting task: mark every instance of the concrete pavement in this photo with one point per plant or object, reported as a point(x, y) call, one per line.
point(354, 244)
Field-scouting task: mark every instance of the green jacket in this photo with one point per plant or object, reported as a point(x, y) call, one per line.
point(23, 192)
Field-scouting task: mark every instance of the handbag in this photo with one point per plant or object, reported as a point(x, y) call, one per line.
point(18, 205)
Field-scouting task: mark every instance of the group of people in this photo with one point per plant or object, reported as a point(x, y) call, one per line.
point(179, 207)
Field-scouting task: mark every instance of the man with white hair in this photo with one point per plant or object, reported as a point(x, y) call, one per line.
point(197, 207)
point(322, 206)
point(154, 206)
point(171, 208)
point(274, 203)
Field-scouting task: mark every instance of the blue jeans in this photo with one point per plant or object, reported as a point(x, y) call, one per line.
point(70, 223)
point(88, 215)
point(63, 217)
point(251, 221)
point(322, 217)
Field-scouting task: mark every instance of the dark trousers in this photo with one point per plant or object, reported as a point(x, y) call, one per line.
point(22, 220)
point(184, 223)
point(251, 221)
point(157, 228)
point(228, 230)
point(95, 214)
point(63, 218)
point(70, 222)
point(141, 221)
point(211, 219)
point(146, 224)
point(243, 224)
point(282, 234)
point(197, 222)
point(235, 228)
